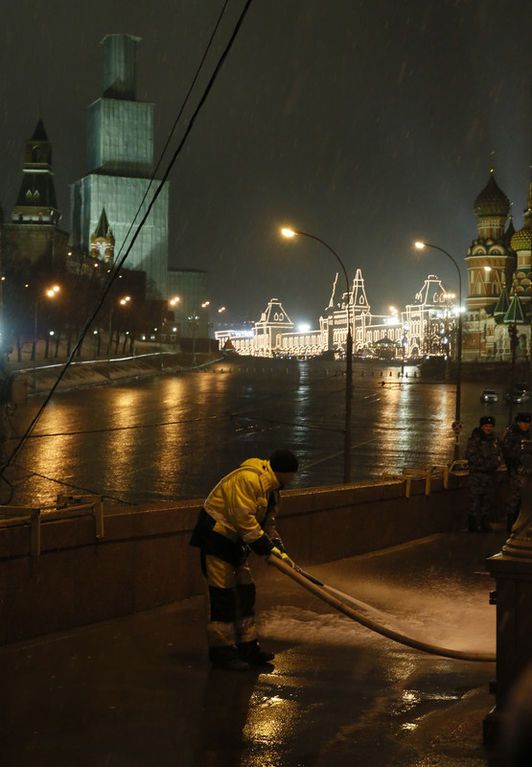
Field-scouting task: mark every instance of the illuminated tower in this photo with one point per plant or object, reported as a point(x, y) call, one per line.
point(490, 260)
point(34, 235)
point(119, 165)
point(103, 241)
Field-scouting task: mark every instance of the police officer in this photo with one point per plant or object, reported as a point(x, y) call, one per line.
point(239, 516)
point(484, 455)
point(512, 448)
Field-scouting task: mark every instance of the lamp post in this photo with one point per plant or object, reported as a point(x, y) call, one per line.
point(404, 343)
point(512, 332)
point(50, 293)
point(487, 270)
point(193, 323)
point(124, 301)
point(457, 426)
point(289, 234)
point(173, 303)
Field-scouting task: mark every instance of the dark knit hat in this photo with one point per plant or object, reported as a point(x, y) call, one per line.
point(284, 461)
point(487, 419)
point(523, 418)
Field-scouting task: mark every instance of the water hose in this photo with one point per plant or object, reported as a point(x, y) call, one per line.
point(366, 615)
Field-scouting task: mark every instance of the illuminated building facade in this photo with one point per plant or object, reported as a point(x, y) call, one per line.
point(423, 327)
point(499, 287)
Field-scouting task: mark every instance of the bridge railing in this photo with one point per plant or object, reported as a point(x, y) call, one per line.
point(429, 472)
point(67, 506)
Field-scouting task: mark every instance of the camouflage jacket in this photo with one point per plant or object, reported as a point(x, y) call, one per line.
point(512, 446)
point(483, 452)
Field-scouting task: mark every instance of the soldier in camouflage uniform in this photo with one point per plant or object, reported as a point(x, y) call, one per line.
point(512, 448)
point(484, 455)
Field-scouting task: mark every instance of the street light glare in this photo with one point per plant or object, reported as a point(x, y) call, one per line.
point(287, 232)
point(419, 245)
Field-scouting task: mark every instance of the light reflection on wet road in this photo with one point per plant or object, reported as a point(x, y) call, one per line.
point(174, 436)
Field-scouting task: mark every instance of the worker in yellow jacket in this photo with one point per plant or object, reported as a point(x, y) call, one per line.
point(238, 517)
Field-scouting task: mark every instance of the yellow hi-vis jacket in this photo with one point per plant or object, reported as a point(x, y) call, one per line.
point(239, 502)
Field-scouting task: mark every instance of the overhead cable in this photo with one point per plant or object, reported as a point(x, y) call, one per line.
point(123, 258)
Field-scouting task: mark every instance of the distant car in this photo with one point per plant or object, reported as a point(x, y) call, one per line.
point(489, 395)
point(520, 393)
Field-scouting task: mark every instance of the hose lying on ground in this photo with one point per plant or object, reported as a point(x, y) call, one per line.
point(365, 615)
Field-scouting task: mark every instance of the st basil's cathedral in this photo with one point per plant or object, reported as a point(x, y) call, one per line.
point(499, 288)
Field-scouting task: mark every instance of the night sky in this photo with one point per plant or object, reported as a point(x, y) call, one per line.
point(368, 123)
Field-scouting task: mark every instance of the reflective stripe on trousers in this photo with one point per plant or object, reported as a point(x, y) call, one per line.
point(231, 602)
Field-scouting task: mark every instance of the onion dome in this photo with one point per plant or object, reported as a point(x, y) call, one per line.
point(492, 201)
point(522, 239)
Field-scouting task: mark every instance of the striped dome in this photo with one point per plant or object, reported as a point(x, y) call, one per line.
point(522, 239)
point(492, 201)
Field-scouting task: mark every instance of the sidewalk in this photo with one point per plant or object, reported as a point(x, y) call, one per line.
point(138, 691)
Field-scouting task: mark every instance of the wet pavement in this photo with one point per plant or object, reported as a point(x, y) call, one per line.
point(175, 436)
point(138, 691)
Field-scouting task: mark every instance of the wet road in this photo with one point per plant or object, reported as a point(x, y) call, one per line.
point(174, 436)
point(138, 691)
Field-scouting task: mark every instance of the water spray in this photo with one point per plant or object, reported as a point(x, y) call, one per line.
point(369, 616)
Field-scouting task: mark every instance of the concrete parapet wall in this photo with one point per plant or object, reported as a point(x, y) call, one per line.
point(145, 560)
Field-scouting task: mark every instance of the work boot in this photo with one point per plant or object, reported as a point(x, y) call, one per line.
point(227, 657)
point(251, 652)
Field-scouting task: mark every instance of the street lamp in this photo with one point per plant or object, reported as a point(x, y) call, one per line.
point(404, 342)
point(420, 245)
point(124, 301)
point(50, 293)
point(514, 342)
point(193, 324)
point(290, 234)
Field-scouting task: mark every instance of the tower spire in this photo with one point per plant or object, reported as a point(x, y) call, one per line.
point(36, 201)
point(492, 162)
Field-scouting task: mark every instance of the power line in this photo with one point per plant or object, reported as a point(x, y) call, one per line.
point(33, 473)
point(122, 260)
point(174, 127)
